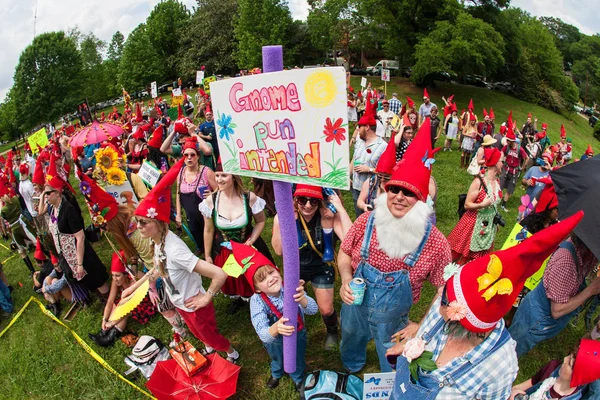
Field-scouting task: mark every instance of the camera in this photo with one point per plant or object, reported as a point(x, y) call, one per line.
point(498, 220)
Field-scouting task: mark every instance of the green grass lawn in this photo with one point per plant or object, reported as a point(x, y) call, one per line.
point(39, 359)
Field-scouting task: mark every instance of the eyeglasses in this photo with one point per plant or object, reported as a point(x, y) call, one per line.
point(398, 189)
point(302, 200)
point(142, 222)
point(190, 155)
point(49, 192)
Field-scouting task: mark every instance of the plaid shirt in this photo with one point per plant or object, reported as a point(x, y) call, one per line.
point(395, 105)
point(491, 379)
point(259, 312)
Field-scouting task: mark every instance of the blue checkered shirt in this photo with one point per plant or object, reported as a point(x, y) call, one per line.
point(259, 312)
point(395, 105)
point(491, 379)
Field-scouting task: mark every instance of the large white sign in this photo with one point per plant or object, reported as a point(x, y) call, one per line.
point(379, 386)
point(149, 174)
point(363, 82)
point(199, 77)
point(123, 193)
point(290, 126)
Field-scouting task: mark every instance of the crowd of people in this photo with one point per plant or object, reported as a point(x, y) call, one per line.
point(463, 348)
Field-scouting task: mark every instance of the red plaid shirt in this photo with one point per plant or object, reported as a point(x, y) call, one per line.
point(561, 279)
point(430, 265)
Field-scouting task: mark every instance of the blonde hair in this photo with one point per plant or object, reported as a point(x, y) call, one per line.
point(261, 274)
point(118, 227)
point(163, 227)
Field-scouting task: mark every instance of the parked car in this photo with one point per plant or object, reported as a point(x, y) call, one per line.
point(358, 71)
point(577, 108)
point(588, 111)
point(392, 65)
point(592, 121)
point(163, 88)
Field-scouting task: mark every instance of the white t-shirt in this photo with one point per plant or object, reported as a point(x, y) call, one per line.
point(27, 192)
point(181, 283)
point(384, 117)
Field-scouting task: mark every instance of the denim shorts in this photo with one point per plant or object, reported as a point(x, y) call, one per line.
point(322, 277)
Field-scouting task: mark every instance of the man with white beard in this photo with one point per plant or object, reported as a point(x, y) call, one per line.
point(394, 249)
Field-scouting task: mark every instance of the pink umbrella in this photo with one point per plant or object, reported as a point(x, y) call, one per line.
point(96, 133)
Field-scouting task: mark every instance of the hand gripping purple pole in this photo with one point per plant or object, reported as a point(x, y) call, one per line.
point(272, 62)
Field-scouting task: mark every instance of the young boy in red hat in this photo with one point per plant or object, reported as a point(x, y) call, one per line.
point(266, 311)
point(470, 354)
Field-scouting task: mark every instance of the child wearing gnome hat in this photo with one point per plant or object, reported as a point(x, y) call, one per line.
point(566, 379)
point(266, 310)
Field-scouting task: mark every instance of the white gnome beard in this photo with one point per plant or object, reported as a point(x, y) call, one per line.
point(398, 237)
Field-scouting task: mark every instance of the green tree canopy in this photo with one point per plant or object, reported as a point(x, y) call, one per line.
point(9, 124)
point(260, 23)
point(115, 48)
point(201, 46)
point(47, 80)
point(140, 64)
point(469, 47)
point(94, 79)
point(564, 36)
point(164, 26)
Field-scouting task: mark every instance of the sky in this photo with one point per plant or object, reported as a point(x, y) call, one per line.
point(105, 17)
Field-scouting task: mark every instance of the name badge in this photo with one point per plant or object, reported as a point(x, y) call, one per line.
point(389, 279)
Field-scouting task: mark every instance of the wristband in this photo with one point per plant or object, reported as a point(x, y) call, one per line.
point(211, 293)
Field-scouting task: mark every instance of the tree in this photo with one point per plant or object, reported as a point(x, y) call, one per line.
point(470, 47)
point(586, 74)
point(111, 64)
point(164, 26)
point(564, 36)
point(9, 126)
point(47, 79)
point(140, 64)
point(94, 79)
point(260, 23)
point(201, 46)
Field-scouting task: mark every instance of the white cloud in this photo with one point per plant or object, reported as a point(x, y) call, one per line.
point(582, 14)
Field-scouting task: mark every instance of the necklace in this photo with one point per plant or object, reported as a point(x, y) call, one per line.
point(55, 213)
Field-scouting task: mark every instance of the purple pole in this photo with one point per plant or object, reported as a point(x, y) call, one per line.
point(272, 62)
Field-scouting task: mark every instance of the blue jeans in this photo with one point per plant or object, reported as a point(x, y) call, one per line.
point(5, 300)
point(275, 350)
point(383, 312)
point(533, 321)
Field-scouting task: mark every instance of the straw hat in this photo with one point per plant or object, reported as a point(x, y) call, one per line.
point(488, 140)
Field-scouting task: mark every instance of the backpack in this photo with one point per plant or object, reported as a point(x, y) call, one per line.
point(331, 385)
point(147, 352)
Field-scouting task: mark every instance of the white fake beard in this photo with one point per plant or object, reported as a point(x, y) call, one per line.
point(398, 237)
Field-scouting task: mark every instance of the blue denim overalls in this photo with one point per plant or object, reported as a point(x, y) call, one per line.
point(384, 310)
point(275, 350)
point(573, 396)
point(428, 386)
point(533, 320)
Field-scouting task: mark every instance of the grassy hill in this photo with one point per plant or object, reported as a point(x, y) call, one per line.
point(41, 360)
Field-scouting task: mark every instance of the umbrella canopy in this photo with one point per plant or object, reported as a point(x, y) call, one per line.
point(577, 186)
point(96, 133)
point(217, 381)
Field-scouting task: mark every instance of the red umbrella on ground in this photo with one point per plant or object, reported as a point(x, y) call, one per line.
point(217, 381)
point(96, 133)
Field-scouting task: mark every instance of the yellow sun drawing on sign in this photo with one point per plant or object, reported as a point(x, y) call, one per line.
point(320, 89)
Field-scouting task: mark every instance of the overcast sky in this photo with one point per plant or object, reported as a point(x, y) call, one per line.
point(105, 17)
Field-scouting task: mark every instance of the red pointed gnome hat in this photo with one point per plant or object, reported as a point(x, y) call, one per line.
point(38, 173)
point(425, 94)
point(414, 170)
point(250, 260)
point(548, 199)
point(485, 113)
point(589, 150)
point(563, 133)
point(4, 189)
point(116, 264)
point(528, 115)
point(23, 170)
point(102, 205)
point(157, 138)
point(368, 119)
point(180, 112)
point(544, 126)
point(587, 363)
point(409, 102)
point(387, 161)
point(482, 291)
point(471, 106)
point(138, 113)
point(492, 115)
point(52, 177)
point(510, 134)
point(157, 203)
point(39, 254)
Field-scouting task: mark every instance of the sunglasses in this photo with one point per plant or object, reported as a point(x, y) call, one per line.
point(49, 192)
point(398, 189)
point(303, 200)
point(141, 222)
point(190, 155)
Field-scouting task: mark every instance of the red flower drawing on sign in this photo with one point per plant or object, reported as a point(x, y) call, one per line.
point(334, 131)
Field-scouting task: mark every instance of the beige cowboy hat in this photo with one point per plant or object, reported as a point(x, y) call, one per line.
point(488, 140)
